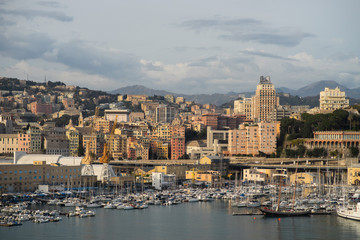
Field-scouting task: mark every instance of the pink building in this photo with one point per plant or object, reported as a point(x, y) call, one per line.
point(252, 139)
point(39, 108)
point(177, 147)
point(24, 141)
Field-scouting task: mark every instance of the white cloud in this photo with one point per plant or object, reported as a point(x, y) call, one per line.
point(303, 57)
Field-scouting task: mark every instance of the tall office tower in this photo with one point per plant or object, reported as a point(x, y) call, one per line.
point(265, 101)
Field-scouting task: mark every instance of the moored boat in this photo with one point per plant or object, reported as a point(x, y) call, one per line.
point(283, 213)
point(350, 212)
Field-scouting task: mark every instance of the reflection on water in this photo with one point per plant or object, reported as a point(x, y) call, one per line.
point(349, 225)
point(209, 220)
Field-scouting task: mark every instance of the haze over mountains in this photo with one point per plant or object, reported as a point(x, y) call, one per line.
point(219, 99)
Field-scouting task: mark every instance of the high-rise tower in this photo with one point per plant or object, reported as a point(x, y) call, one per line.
point(265, 101)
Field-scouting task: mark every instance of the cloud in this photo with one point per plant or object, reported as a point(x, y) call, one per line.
point(31, 13)
point(267, 55)
point(151, 66)
point(220, 24)
point(93, 60)
point(248, 30)
point(283, 39)
point(183, 48)
point(302, 57)
point(70, 77)
point(50, 4)
point(4, 22)
point(24, 46)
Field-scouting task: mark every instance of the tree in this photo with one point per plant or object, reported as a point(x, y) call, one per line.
point(354, 151)
point(185, 156)
point(317, 152)
point(301, 150)
point(334, 154)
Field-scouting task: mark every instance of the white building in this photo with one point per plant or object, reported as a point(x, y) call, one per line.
point(163, 181)
point(122, 115)
point(99, 171)
point(244, 106)
point(332, 99)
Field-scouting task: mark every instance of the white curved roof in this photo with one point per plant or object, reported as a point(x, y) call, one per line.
point(23, 158)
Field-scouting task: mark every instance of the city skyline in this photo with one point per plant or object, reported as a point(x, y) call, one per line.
point(181, 47)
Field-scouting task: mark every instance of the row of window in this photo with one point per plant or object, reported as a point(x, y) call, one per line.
point(5, 178)
point(35, 171)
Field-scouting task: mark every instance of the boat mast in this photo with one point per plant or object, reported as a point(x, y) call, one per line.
point(279, 197)
point(294, 195)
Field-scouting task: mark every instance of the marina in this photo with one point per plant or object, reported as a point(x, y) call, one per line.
point(200, 220)
point(182, 214)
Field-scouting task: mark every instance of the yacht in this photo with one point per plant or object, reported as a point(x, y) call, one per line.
point(349, 211)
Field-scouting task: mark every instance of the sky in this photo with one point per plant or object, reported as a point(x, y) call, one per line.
point(189, 47)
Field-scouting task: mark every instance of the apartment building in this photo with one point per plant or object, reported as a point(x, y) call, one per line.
point(332, 99)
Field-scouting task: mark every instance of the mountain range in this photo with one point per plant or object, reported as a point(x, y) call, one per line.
point(219, 99)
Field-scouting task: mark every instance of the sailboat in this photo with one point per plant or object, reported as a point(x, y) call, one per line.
point(282, 212)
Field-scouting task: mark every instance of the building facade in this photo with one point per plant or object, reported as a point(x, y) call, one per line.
point(164, 114)
point(253, 139)
point(265, 101)
point(27, 177)
point(332, 99)
point(177, 147)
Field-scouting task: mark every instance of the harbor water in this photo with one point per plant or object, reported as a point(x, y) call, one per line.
point(198, 220)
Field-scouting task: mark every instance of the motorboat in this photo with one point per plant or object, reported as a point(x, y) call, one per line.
point(349, 211)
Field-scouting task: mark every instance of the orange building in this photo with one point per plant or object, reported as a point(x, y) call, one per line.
point(39, 108)
point(252, 139)
point(24, 142)
point(211, 120)
point(177, 147)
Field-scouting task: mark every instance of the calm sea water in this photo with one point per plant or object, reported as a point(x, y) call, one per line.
point(209, 220)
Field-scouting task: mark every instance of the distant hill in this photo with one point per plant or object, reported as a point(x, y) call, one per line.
point(315, 88)
point(140, 90)
point(218, 99)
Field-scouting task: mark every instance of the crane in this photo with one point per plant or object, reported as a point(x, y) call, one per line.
point(106, 170)
point(105, 158)
point(87, 161)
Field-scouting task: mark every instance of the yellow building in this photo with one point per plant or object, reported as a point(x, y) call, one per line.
point(27, 177)
point(73, 136)
point(162, 150)
point(8, 143)
point(178, 170)
point(216, 163)
point(255, 176)
point(118, 146)
point(354, 175)
point(303, 178)
point(211, 177)
point(163, 132)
